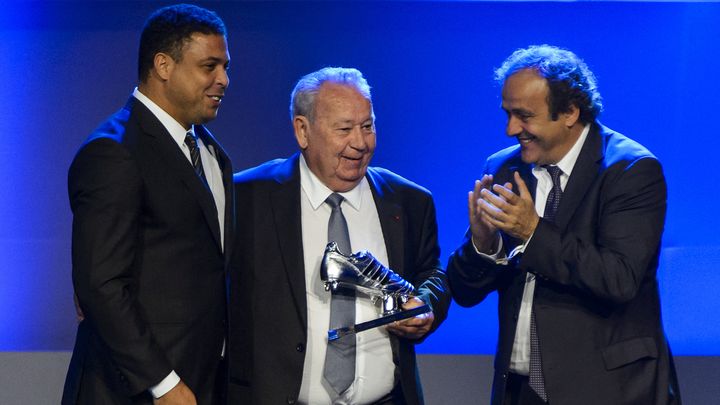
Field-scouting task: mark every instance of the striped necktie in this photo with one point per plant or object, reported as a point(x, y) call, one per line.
point(192, 144)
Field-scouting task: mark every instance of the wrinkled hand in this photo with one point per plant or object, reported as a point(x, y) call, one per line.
point(179, 395)
point(484, 233)
point(416, 327)
point(512, 213)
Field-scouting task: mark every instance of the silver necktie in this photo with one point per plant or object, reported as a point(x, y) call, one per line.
point(340, 356)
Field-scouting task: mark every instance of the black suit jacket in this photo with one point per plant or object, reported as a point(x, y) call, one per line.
point(596, 304)
point(268, 320)
point(148, 267)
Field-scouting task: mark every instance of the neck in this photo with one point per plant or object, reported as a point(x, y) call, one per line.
point(154, 91)
point(574, 133)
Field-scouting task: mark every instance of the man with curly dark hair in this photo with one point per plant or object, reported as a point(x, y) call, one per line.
point(566, 227)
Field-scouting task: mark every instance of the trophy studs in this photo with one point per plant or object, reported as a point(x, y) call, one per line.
point(363, 272)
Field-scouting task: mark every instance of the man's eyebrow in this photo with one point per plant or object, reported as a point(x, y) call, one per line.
point(521, 111)
point(215, 59)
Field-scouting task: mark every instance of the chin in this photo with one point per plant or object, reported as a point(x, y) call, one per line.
point(349, 182)
point(351, 172)
point(210, 114)
point(528, 159)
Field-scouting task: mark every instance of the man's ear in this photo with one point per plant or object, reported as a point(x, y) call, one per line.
point(301, 125)
point(572, 116)
point(163, 64)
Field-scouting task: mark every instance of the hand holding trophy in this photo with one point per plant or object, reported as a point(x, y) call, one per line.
point(363, 272)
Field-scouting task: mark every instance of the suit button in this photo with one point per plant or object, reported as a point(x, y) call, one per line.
point(300, 347)
point(290, 400)
point(504, 376)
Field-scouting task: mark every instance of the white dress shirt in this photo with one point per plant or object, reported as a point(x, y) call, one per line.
point(520, 358)
point(213, 174)
point(211, 167)
point(374, 367)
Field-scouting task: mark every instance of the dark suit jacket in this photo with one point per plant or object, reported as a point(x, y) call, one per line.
point(148, 267)
point(596, 305)
point(268, 320)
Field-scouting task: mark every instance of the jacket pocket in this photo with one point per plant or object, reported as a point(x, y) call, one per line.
point(628, 351)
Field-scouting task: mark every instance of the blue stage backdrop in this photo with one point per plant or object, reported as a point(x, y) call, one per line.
point(65, 66)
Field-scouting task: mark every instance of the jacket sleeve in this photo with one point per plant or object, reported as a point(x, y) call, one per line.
point(105, 193)
point(429, 276)
point(472, 276)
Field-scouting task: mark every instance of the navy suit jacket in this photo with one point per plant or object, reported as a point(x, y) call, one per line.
point(148, 267)
point(268, 320)
point(596, 303)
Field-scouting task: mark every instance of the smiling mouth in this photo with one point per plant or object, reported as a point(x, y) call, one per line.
point(353, 161)
point(525, 139)
point(217, 98)
point(352, 158)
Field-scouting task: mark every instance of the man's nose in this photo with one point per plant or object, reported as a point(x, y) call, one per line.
point(513, 127)
point(222, 78)
point(358, 140)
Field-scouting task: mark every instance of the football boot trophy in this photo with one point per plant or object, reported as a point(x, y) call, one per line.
point(362, 272)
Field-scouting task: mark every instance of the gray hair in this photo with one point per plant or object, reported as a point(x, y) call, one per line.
point(302, 99)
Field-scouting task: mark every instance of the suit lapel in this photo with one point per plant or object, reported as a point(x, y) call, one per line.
point(285, 202)
point(227, 179)
point(525, 170)
point(392, 218)
point(583, 174)
point(170, 154)
point(526, 174)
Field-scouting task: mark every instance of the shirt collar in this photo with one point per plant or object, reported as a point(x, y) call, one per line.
point(176, 130)
point(567, 163)
point(317, 192)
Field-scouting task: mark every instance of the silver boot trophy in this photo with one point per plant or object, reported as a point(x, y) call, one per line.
point(363, 272)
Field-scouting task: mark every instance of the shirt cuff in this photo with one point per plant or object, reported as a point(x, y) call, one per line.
point(498, 257)
point(165, 385)
point(519, 248)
